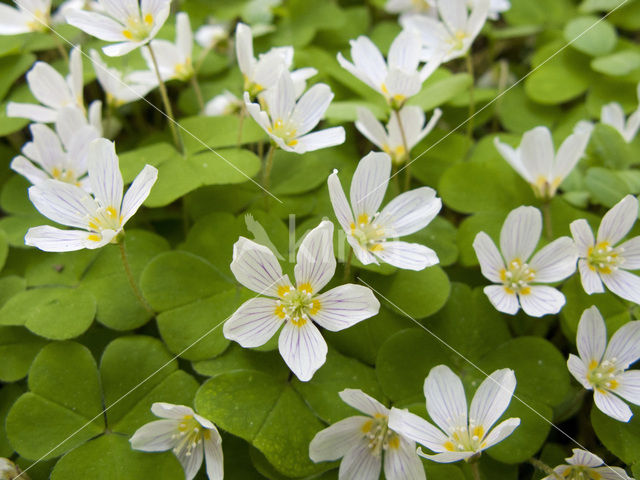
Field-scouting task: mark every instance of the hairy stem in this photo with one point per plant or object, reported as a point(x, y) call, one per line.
point(196, 88)
point(475, 470)
point(407, 168)
point(543, 467)
point(546, 213)
point(243, 113)
point(347, 265)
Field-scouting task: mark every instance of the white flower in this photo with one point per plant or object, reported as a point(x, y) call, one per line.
point(297, 307)
point(451, 36)
point(52, 90)
point(119, 90)
point(585, 465)
point(390, 140)
point(100, 217)
point(517, 274)
point(535, 159)
point(224, 104)
point(425, 7)
point(398, 78)
point(61, 155)
point(613, 114)
point(126, 22)
point(361, 441)
point(496, 7)
point(369, 231)
point(460, 436)
point(60, 16)
point(288, 122)
point(29, 16)
point(601, 260)
point(189, 435)
point(209, 36)
point(604, 369)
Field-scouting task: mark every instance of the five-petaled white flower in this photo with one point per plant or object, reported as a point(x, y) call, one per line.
point(30, 16)
point(297, 307)
point(585, 465)
point(189, 435)
point(119, 89)
point(288, 122)
point(535, 159)
point(603, 368)
point(398, 78)
point(102, 217)
point(613, 114)
point(128, 22)
point(517, 275)
point(601, 261)
point(369, 231)
point(61, 155)
point(450, 36)
point(390, 140)
point(362, 441)
point(463, 432)
point(211, 35)
point(52, 90)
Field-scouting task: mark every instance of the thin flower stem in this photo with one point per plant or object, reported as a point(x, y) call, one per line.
point(268, 165)
point(347, 265)
point(132, 282)
point(407, 168)
point(475, 470)
point(167, 103)
point(472, 96)
point(60, 47)
point(243, 112)
point(544, 468)
point(546, 213)
point(196, 88)
point(201, 58)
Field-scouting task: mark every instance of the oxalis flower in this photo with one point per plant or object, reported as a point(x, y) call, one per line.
point(127, 22)
point(463, 432)
point(390, 140)
point(371, 233)
point(297, 307)
point(189, 435)
point(517, 274)
point(60, 155)
point(585, 465)
point(365, 442)
point(604, 369)
point(29, 16)
point(398, 78)
point(288, 122)
point(100, 217)
point(601, 261)
point(536, 161)
point(613, 114)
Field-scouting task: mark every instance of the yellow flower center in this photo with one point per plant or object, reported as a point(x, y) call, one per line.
point(138, 29)
point(184, 71)
point(545, 189)
point(380, 437)
point(40, 21)
point(466, 439)
point(398, 154)
point(297, 304)
point(105, 219)
point(285, 130)
point(603, 258)
point(368, 234)
point(189, 436)
point(603, 376)
point(64, 175)
point(581, 473)
point(517, 277)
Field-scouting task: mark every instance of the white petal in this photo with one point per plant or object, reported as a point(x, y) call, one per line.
point(447, 457)
point(97, 25)
point(244, 49)
point(369, 184)
point(540, 301)
point(63, 203)
point(399, 82)
point(556, 261)
point(537, 153)
point(513, 158)
point(256, 112)
point(579, 370)
point(311, 107)
point(76, 79)
point(371, 128)
point(503, 300)
point(630, 251)
point(405, 51)
point(28, 170)
point(446, 401)
point(617, 222)
point(257, 268)
point(303, 349)
point(191, 463)
point(502, 431)
point(329, 137)
point(363, 255)
point(492, 398)
point(281, 99)
point(37, 113)
point(409, 212)
point(138, 192)
point(584, 458)
point(624, 345)
point(491, 263)
point(184, 35)
point(569, 153)
point(104, 173)
point(119, 49)
point(213, 456)
point(368, 61)
point(417, 429)
point(409, 256)
point(629, 386)
point(520, 233)
point(454, 15)
point(590, 279)
point(612, 114)
point(339, 202)
point(51, 239)
point(359, 74)
point(268, 70)
point(333, 442)
point(13, 21)
point(254, 323)
point(48, 86)
point(402, 462)
point(592, 336)
point(624, 284)
point(363, 402)
point(582, 235)
point(611, 405)
point(171, 411)
point(155, 436)
point(612, 473)
point(344, 306)
point(359, 463)
point(316, 263)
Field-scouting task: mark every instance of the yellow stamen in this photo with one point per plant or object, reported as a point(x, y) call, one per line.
point(148, 18)
point(128, 35)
